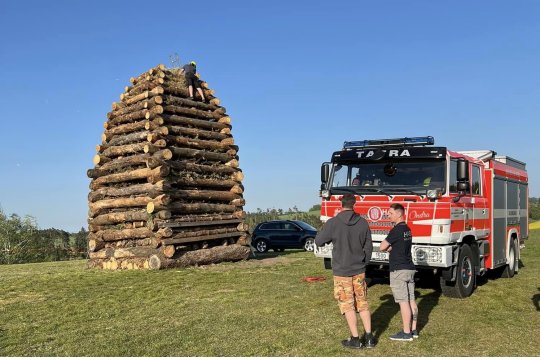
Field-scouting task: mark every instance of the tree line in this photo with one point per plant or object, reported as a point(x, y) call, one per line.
point(21, 241)
point(311, 217)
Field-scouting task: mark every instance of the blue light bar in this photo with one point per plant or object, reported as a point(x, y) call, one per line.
point(419, 140)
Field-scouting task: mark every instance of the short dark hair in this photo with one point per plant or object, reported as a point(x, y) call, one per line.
point(398, 207)
point(348, 200)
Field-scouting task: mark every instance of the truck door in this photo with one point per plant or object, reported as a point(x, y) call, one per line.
point(480, 212)
point(459, 211)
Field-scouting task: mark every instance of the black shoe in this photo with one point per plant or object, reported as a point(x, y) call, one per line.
point(401, 336)
point(352, 342)
point(369, 340)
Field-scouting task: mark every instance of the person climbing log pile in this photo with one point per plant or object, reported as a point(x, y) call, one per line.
point(166, 189)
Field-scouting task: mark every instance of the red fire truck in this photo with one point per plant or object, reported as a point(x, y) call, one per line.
point(468, 211)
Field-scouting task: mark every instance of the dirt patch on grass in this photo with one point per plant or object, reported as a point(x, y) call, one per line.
point(271, 261)
point(252, 263)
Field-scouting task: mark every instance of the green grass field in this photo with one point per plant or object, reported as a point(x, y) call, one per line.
point(255, 308)
point(534, 225)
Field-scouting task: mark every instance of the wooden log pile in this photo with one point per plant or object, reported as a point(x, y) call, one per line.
point(166, 188)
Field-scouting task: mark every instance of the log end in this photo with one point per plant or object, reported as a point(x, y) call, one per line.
point(164, 214)
point(95, 245)
point(154, 263)
point(224, 120)
point(227, 141)
point(238, 176)
point(169, 251)
point(232, 163)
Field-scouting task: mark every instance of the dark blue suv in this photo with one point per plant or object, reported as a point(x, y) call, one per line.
point(279, 235)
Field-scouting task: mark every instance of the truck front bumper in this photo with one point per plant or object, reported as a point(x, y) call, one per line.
point(438, 256)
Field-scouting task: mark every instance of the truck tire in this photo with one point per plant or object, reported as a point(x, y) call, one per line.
point(465, 276)
point(513, 261)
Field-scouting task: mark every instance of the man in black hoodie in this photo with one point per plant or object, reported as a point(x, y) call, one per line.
point(351, 238)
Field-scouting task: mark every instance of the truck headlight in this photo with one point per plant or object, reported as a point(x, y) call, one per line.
point(325, 193)
point(428, 254)
point(326, 249)
point(433, 194)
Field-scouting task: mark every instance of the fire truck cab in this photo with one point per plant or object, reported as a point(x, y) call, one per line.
point(468, 211)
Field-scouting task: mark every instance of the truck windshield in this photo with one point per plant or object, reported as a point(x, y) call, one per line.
point(412, 176)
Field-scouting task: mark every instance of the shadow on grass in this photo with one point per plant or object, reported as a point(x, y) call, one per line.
point(425, 307)
point(254, 255)
point(536, 301)
point(494, 274)
point(2, 340)
point(380, 318)
point(426, 303)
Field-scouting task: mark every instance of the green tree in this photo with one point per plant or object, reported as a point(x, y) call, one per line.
point(17, 238)
point(534, 208)
point(80, 243)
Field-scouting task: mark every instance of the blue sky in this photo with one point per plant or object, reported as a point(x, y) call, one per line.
point(297, 78)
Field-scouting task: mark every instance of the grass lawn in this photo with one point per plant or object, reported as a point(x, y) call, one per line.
point(534, 225)
point(255, 308)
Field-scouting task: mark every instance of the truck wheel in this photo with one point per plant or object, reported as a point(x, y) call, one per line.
point(465, 276)
point(261, 246)
point(513, 261)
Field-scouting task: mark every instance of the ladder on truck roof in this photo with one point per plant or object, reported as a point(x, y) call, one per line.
point(487, 155)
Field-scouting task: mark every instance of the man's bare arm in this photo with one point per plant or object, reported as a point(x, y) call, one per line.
point(385, 246)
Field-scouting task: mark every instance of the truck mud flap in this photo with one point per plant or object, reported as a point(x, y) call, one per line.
point(449, 274)
point(327, 263)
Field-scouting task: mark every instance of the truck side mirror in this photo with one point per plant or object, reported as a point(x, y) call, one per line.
point(325, 172)
point(462, 170)
point(462, 178)
point(463, 186)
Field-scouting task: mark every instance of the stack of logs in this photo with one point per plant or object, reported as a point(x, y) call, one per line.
point(166, 188)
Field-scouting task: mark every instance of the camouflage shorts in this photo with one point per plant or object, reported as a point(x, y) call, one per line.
point(351, 293)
